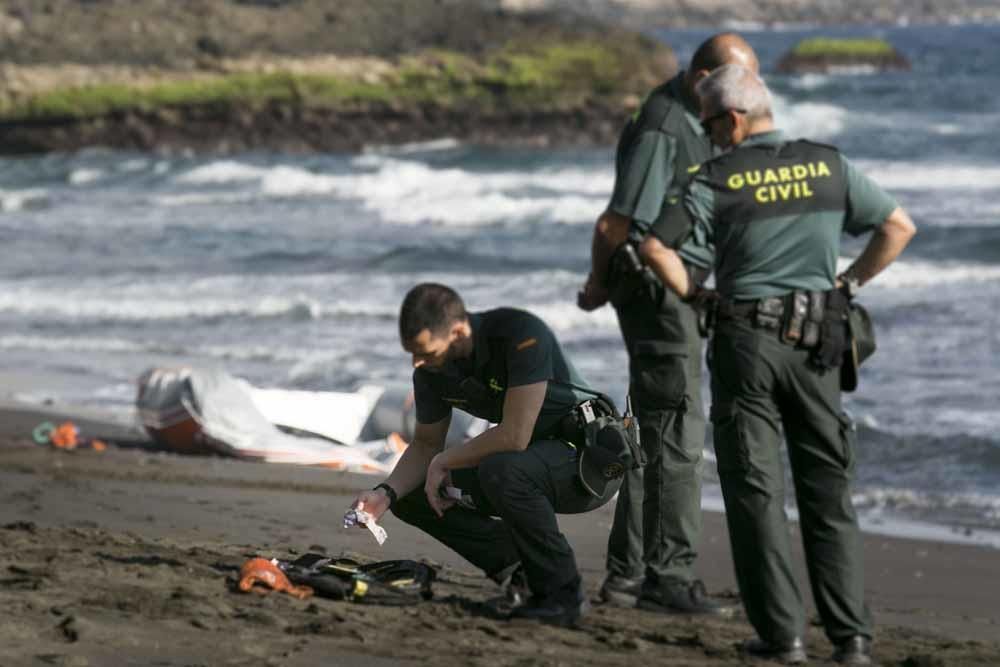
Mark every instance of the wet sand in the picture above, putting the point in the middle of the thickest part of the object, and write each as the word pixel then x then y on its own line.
pixel 122 557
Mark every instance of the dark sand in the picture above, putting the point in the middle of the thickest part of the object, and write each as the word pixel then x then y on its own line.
pixel 122 558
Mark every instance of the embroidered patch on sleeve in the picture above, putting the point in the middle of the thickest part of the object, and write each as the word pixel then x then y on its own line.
pixel 525 344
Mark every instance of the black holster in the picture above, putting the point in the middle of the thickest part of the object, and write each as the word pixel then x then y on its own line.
pixel 833 334
pixel 860 345
pixel 572 426
pixel 706 309
pixel 629 278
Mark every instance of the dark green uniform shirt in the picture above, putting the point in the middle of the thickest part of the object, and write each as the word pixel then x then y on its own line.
pixel 656 152
pixel 510 348
pixel 774 211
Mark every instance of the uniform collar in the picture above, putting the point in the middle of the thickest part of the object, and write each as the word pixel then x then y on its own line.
pixel 466 367
pixel 691 112
pixel 773 138
pixel 480 350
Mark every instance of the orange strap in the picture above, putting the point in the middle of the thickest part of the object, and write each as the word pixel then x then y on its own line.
pixel 263 571
pixel 66 436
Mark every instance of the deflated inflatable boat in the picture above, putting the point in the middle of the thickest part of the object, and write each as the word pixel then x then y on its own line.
pixel 207 411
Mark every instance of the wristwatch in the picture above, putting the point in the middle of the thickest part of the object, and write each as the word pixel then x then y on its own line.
pixel 389 491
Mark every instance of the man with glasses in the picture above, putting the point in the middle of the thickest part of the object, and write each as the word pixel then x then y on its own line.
pixel 708 123
pixel 774 209
pixel 654 539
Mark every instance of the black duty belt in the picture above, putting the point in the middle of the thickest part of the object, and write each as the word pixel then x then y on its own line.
pixel 796 317
pixel 732 309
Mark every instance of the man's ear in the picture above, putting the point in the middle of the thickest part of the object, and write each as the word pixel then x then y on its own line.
pixel 741 126
pixel 459 330
pixel 697 76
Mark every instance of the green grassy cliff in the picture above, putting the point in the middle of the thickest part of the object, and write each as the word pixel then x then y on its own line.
pixel 238 68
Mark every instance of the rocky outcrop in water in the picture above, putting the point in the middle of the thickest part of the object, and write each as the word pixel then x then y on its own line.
pixel 828 55
pixel 734 13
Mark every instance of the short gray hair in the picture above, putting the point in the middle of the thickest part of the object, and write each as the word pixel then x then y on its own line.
pixel 735 87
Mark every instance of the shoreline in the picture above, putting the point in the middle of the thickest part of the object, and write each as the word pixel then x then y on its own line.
pixel 153 538
pixel 226 131
pixel 18 417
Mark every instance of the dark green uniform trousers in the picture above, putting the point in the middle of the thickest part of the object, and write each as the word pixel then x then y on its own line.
pixel 657 521
pixel 525 490
pixel 761 386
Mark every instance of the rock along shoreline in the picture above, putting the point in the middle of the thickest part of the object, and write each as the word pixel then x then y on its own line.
pixel 227 129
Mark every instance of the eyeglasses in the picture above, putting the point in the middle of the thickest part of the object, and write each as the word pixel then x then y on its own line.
pixel 707 123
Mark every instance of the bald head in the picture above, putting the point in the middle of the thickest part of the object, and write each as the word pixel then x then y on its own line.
pixel 726 48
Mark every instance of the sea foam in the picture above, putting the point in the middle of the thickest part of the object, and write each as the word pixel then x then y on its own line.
pixel 932 176
pixel 809 119
pixel 907 273
pixel 20 200
pixel 412 192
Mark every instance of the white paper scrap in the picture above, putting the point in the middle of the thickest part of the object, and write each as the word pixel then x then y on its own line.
pixel 353 517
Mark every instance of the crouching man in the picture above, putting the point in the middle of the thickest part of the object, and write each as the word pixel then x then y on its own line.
pixel 504 366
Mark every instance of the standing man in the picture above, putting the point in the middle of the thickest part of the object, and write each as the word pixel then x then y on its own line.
pixel 657 525
pixel 504 366
pixel 775 209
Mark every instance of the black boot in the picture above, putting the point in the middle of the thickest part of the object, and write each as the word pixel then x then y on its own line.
pixel 792 652
pixel 564 608
pixel 682 597
pixel 515 592
pixel 854 651
pixel 620 591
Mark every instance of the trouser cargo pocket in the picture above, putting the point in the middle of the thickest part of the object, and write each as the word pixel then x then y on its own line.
pixel 657 371
pixel 848 440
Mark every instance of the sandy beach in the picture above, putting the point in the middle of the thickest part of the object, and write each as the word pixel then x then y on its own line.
pixel 125 557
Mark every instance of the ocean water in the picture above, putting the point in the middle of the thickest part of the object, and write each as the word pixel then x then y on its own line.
pixel 288 270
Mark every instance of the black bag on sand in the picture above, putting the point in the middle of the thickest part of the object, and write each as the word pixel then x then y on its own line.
pixel 389 582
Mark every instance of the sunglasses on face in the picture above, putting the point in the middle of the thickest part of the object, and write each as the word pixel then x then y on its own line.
pixel 707 123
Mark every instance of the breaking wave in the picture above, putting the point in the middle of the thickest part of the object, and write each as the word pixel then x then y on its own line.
pixel 809 119
pixel 905 273
pixel 932 176
pixel 103 344
pixel 21 200
pixel 59 305
pixel 412 192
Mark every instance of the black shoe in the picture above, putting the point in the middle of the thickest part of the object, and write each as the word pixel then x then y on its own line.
pixel 790 653
pixel 620 591
pixel 682 597
pixel 854 651
pixel 563 608
pixel 515 594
